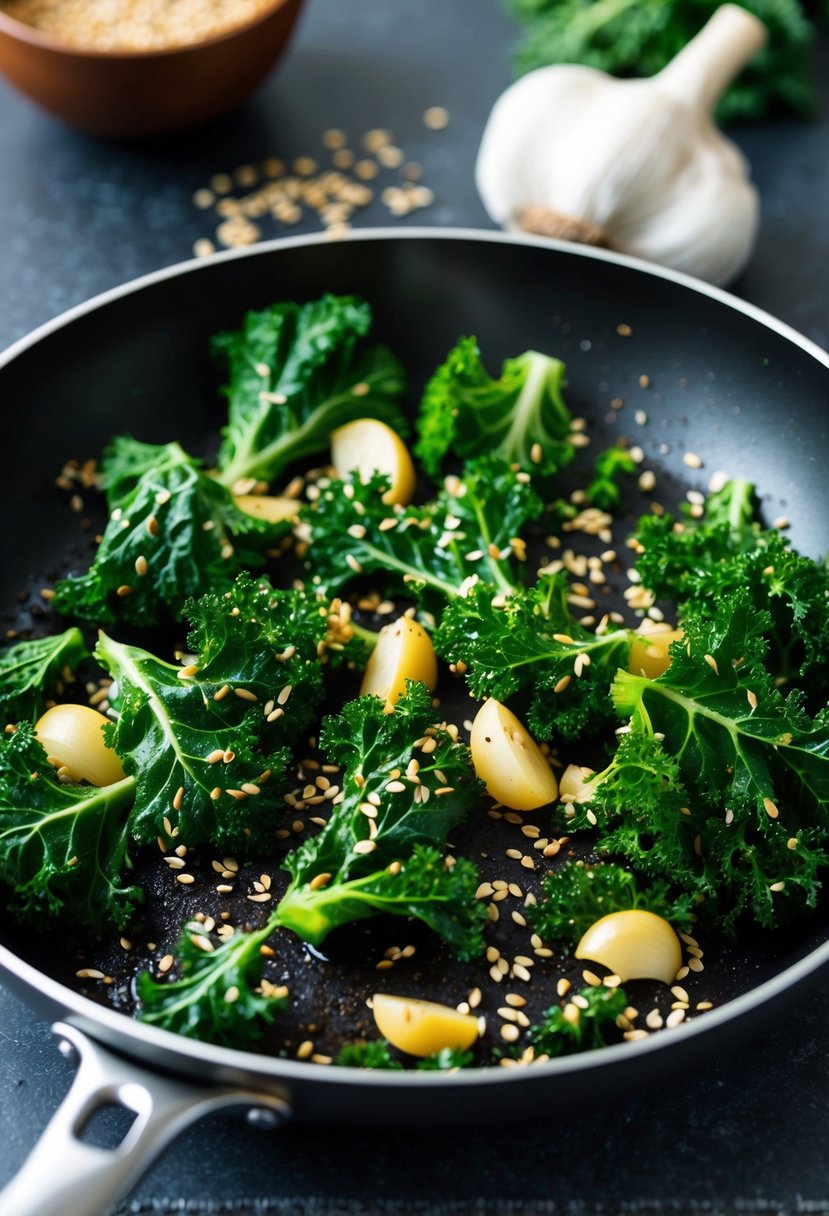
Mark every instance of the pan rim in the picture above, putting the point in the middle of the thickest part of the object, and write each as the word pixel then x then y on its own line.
pixel 94 1017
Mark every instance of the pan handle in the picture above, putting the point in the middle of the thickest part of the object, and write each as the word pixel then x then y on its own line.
pixel 64 1176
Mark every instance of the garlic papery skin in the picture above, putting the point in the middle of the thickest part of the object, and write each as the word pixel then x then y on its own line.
pixel 637 166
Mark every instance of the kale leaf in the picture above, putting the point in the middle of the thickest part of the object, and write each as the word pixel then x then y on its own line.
pixel 581 1024
pixel 63 847
pixel 405 783
pixel 372 1053
pixel 173 532
pixel 473 529
pixel 521 417
pixel 219 994
pixel 32 672
pixel 721 784
pixel 576 895
pixel 205 740
pixel 528 646
pixel 296 373
pixel 603 491
pixel 639 37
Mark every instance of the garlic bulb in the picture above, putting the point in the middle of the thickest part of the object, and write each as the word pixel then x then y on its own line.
pixel 634 165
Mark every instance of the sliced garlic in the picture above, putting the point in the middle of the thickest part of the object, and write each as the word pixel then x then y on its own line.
pixel 633 944
pixel 271 508
pixel 420 1028
pixel 369 446
pixel 509 761
pixel 404 651
pixel 636 165
pixel 649 655
pixel 73 739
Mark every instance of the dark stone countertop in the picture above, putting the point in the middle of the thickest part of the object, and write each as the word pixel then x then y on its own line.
pixel 743 1133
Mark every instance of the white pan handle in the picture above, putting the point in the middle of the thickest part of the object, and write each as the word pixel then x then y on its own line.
pixel 63 1176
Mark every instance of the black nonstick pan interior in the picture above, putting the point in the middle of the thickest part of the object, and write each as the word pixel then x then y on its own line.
pixel 706 386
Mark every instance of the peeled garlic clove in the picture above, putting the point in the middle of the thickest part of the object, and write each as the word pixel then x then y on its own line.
pixel 509 761
pixel 274 509
pixel 420 1028
pixel 574 784
pixel 649 655
pixel 404 651
pixel 635 165
pixel 73 739
pixel 369 446
pixel 633 944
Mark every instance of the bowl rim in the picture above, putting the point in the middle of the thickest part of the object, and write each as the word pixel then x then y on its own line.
pixel 20 31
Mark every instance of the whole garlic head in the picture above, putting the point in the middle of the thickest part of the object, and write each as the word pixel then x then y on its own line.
pixel 636 165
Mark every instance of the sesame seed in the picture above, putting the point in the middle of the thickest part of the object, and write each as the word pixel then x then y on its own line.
pixel 771 808
pixel 510 1033
pixel 186 879
pixel 436 118
pixel 691 460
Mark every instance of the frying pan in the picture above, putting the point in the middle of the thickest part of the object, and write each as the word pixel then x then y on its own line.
pixel 724 381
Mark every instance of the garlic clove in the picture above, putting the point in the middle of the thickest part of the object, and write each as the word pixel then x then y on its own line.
pixel 421 1028
pixel 403 651
pixel 508 760
pixel 635 165
pixel 634 944
pixel 649 649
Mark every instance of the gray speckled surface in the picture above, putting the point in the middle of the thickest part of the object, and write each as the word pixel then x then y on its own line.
pixel 79 216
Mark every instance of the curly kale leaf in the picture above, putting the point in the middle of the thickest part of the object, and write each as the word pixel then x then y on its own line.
pixel 603 491
pixel 405 783
pixel 63 847
pixel 216 993
pixel 578 1025
pixel 173 532
pixel 296 373
pixel 521 417
pixel 526 648
pixel 373 1053
pixel 721 785
pixel 576 895
pixel 32 672
pixel 473 529
pixel 639 37
pixel 267 642
pixel 445 1060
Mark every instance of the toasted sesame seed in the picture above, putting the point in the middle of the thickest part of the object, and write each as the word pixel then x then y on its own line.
pixel 89 973
pixel 186 879
pixel 771 808
pixel 364 846
pixel 675 1017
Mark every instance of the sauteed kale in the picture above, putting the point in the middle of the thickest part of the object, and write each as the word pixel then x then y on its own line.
pixel 698 757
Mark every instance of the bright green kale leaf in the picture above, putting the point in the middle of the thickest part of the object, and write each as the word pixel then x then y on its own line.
pixel 526 648
pixel 266 642
pixel 445 1060
pixel 473 529
pixel 199 747
pixel 378 853
pixel 32 672
pixel 639 37
pixel 173 532
pixel 216 993
pixel 576 895
pixel 63 847
pixel 405 783
pixel 581 1025
pixel 372 1053
pixel 603 491
pixel 721 786
pixel 521 417
pixel 296 373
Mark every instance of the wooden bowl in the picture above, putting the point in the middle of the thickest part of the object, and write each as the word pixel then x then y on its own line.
pixel 131 94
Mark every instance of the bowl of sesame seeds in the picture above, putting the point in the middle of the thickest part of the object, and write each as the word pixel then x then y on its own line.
pixel 136 68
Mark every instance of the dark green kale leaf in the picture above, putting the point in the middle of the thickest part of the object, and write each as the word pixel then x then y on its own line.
pixel 576 895
pixel 206 740
pixel 173 532
pixel 32 672
pixel 526 647
pixel 579 1025
pixel 521 417
pixel 296 373
pixel 63 847
pixel 473 529
pixel 405 783
pixel 217 992
pixel 639 37
pixel 721 785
